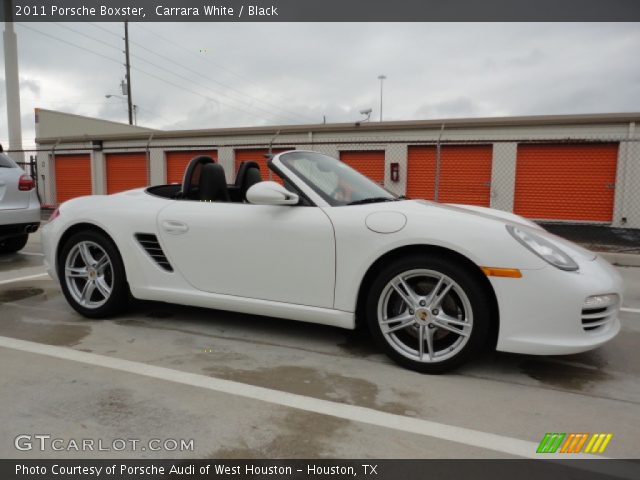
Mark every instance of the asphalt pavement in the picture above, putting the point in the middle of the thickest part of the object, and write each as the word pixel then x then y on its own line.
pixel 238 386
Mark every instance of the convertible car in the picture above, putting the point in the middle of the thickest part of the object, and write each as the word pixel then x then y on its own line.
pixel 434 283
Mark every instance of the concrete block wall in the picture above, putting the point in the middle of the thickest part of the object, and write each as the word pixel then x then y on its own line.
pixel 396 154
pixel 627 196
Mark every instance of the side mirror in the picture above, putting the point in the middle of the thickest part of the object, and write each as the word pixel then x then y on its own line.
pixel 271 193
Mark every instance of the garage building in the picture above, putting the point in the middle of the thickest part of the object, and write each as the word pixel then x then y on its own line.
pixel 565 168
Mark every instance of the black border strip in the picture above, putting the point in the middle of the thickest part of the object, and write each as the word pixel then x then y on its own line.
pixel 326 11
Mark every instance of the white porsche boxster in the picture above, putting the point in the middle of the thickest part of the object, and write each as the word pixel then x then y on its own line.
pixel 434 283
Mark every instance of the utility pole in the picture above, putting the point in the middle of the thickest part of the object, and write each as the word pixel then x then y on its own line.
pixel 12 83
pixel 382 78
pixel 126 46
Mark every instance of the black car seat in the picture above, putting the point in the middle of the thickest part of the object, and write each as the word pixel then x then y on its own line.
pixel 213 184
pixel 247 176
pixel 191 178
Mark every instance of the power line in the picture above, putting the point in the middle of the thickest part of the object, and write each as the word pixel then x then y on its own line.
pixel 88 36
pixel 69 43
pixel 71 103
pixel 177 45
pixel 216 82
pixel 239 92
pixel 269 113
pixel 181 87
pixel 105 29
pixel 182 77
pixel 208 60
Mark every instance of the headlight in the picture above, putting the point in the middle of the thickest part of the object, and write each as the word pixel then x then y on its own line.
pixel 543 248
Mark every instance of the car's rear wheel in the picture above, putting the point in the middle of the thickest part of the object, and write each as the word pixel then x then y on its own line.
pixel 92 275
pixel 13 244
pixel 430 314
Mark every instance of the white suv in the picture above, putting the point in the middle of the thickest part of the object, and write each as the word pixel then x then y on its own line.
pixel 19 206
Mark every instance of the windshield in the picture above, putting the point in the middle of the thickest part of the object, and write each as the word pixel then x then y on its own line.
pixel 335 181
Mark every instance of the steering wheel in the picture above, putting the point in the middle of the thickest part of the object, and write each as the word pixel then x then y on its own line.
pixel 191 177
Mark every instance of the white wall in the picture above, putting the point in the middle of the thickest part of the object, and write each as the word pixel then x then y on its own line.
pixel 627 196
pixel 503 175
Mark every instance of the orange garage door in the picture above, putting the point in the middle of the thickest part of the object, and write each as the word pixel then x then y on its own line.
pixel 73 176
pixel 126 171
pixel 258 155
pixel 177 162
pixel 566 182
pixel 465 173
pixel 367 162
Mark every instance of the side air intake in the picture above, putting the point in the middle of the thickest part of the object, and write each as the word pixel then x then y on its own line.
pixel 150 243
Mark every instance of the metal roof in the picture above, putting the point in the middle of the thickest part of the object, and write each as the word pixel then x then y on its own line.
pixel 450 123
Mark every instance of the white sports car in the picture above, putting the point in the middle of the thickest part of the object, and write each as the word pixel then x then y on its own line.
pixel 434 283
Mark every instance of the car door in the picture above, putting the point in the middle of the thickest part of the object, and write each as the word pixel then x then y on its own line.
pixel 278 253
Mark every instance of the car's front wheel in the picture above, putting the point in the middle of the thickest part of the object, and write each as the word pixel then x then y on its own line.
pixel 92 275
pixel 429 313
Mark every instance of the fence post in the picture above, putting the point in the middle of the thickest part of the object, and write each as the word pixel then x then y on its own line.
pixel 148 155
pixel 436 187
pixel 33 171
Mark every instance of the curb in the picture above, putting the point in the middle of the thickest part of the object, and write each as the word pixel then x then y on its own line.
pixel 621 259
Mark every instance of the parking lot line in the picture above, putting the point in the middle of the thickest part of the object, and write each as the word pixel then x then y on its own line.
pixel 466 436
pixel 630 310
pixel 27 277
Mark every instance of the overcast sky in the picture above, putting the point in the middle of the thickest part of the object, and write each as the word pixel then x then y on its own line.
pixel 203 75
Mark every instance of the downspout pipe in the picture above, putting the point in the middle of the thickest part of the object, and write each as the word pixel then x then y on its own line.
pixel 436 188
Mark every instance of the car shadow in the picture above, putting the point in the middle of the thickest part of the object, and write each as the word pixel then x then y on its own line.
pixel 576 373
pixel 256 328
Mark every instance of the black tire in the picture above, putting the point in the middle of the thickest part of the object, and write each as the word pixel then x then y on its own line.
pixel 118 300
pixel 467 280
pixel 13 244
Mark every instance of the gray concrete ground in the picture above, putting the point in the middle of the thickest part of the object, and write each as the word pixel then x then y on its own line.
pixel 513 397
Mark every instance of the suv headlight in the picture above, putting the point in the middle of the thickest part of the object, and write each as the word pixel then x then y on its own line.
pixel 543 248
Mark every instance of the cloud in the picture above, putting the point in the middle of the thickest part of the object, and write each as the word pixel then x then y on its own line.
pixel 30 85
pixel 455 107
pixel 201 75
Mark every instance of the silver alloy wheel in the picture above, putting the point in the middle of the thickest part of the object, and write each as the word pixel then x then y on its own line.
pixel 88 274
pixel 425 315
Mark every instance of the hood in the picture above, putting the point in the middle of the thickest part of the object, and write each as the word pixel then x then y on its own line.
pixel 446 210
pixel 575 251
pixel 491 213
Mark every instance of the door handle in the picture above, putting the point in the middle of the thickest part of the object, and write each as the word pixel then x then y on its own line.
pixel 174 227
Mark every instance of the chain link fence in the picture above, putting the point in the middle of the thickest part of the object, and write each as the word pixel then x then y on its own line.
pixel 586 189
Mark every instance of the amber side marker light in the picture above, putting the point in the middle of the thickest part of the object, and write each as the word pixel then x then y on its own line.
pixel 502 272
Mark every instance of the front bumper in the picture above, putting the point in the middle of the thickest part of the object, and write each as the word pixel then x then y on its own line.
pixel 49 237
pixel 541 313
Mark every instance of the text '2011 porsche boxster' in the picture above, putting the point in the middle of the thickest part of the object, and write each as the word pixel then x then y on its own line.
pixel 435 284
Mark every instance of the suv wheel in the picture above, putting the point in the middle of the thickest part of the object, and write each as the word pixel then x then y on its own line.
pixel 13 244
